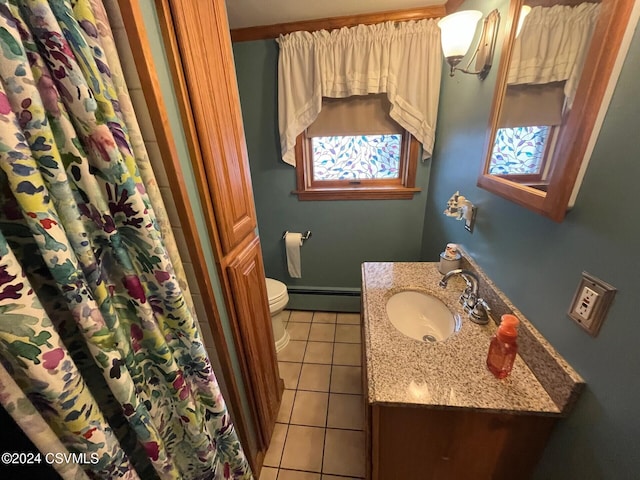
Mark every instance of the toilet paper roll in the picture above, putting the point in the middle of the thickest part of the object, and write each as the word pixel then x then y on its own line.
pixel 293 242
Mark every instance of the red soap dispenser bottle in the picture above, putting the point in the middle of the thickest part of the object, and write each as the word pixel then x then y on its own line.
pixel 503 347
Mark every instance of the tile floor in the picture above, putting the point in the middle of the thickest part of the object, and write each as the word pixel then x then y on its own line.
pixel 319 434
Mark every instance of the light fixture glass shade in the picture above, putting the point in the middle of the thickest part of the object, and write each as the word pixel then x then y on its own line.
pixel 457 31
pixel 524 11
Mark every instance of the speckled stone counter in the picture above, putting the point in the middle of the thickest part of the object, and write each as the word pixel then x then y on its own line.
pixel 453 373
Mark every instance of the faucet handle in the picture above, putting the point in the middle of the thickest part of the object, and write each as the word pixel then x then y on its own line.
pixel 480 312
pixel 470 302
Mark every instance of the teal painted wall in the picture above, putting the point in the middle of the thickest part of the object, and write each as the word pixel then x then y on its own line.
pixel 537 263
pixel 166 85
pixel 345 233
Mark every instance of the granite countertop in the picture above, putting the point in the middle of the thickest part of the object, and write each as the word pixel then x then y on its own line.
pixel 449 374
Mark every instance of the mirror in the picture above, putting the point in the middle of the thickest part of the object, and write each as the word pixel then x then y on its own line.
pixel 556 65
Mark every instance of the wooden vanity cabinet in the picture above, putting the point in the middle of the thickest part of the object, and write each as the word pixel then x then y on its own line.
pixel 429 443
pixel 434 412
pixel 457 444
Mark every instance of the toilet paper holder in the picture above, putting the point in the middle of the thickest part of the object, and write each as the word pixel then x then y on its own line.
pixel 305 236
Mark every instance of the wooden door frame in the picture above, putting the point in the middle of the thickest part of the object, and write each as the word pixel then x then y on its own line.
pixel 173 26
pixel 138 40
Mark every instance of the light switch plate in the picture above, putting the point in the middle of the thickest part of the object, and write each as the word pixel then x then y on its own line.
pixel 471 221
pixel 591 303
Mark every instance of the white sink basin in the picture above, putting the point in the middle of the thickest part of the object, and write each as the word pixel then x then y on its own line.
pixel 421 316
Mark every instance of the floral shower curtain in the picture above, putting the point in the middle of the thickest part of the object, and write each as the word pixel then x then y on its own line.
pixel 99 353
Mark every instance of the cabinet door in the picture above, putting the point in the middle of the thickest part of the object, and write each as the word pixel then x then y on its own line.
pixel 253 324
pixel 205 47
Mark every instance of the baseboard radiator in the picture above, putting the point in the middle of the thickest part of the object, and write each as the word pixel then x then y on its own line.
pixel 324 299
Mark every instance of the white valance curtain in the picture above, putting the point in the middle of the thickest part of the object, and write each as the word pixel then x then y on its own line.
pixel 402 60
pixel 552 46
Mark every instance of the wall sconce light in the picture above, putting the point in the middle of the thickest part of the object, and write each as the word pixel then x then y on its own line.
pixel 460 208
pixel 457 32
pixel 524 11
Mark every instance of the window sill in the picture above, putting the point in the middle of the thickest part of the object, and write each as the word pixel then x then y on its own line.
pixel 356 194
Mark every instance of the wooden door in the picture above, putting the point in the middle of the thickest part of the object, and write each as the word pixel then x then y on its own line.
pixel 202 34
pixel 199 51
pixel 246 275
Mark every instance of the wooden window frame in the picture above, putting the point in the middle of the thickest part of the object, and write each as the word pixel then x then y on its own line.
pixel 402 188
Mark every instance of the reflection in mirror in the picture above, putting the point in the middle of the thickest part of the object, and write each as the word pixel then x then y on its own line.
pixel 559 63
pixel 544 71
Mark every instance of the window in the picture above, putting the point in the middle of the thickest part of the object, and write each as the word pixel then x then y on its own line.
pixel 356 157
pixel 354 150
pixel 520 151
pixel 527 130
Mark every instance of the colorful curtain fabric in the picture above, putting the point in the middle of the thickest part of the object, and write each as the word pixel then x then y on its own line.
pixel 94 327
pixel 112 58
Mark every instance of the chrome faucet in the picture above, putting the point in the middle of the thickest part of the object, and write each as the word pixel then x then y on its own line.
pixel 470 293
pixel 476 307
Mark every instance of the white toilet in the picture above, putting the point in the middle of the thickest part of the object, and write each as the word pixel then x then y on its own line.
pixel 278 299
